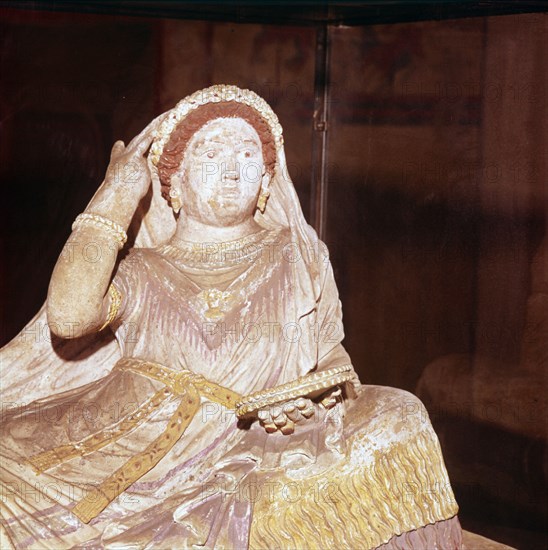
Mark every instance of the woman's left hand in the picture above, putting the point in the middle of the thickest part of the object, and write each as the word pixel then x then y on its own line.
pixel 285 416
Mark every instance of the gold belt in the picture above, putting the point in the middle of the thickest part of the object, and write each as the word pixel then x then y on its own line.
pixel 184 384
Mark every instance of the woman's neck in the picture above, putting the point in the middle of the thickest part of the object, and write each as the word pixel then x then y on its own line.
pixel 191 230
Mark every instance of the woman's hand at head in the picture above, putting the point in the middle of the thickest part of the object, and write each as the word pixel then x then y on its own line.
pixel 128 170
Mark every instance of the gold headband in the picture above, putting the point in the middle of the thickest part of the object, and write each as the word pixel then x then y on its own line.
pixel 213 94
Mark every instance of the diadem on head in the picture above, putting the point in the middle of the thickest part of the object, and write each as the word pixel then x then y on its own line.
pixel 217 101
pixel 214 94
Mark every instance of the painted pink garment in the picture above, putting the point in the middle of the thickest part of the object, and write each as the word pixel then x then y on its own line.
pixel 188 498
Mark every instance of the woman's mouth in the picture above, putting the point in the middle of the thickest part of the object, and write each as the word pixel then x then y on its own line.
pixel 229 193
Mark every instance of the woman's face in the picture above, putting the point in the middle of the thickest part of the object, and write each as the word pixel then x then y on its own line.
pixel 221 173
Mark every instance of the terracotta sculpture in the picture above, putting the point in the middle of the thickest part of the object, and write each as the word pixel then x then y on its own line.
pixel 225 413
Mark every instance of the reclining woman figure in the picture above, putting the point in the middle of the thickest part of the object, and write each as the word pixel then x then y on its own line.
pixel 226 412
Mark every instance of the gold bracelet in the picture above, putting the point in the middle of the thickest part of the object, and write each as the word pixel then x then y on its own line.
pixel 95 220
pixel 114 305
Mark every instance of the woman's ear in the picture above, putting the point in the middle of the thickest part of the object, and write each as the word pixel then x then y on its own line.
pixel 175 192
pixel 177 180
pixel 265 193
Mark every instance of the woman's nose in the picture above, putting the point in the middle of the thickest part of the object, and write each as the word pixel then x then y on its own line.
pixel 231 169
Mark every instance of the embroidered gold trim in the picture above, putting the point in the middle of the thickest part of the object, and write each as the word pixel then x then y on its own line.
pixel 186 385
pixel 113 307
pixel 357 504
pixel 48 459
pixel 136 467
pixel 178 380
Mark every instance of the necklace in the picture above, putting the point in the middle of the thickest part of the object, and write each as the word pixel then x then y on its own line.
pixel 247 249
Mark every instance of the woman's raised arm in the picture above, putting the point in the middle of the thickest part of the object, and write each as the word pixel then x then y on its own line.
pixel 78 297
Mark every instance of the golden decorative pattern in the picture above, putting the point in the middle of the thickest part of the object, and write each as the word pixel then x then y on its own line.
pixel 113 307
pixel 217 302
pixel 48 459
pixel 309 385
pixel 356 503
pixel 95 220
pixel 185 384
pixel 136 467
pixel 228 253
pixel 178 380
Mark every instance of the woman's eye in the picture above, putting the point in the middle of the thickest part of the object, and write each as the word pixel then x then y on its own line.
pixel 247 153
pixel 210 154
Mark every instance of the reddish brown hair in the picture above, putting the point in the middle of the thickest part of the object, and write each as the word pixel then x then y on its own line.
pixel 174 149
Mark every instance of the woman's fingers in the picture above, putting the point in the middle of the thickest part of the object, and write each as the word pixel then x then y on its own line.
pixel 283 418
pixel 328 402
pixel 308 411
pixel 278 416
pixel 280 420
pixel 305 406
pixel 292 412
pixel 141 142
pixel 331 397
pixel 270 427
pixel 301 403
pixel 289 407
pixel 117 149
pixel 288 428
